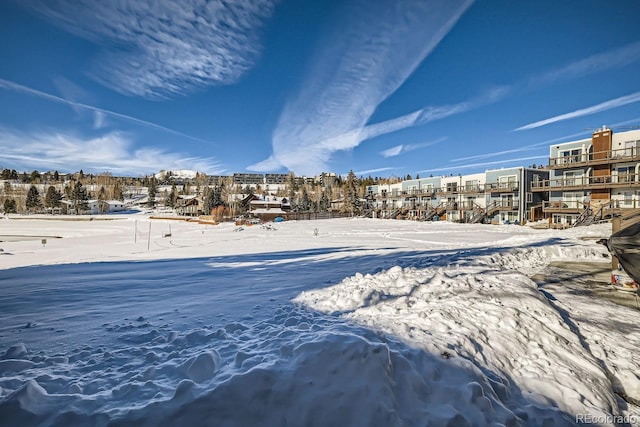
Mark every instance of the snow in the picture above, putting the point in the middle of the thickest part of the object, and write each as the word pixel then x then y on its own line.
pixel 177 173
pixel 367 323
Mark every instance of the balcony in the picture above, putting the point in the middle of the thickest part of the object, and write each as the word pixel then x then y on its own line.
pixel 597 158
pixel 416 192
pixel 501 187
pixel 587 183
pixel 502 206
pixel 563 206
pixel 472 189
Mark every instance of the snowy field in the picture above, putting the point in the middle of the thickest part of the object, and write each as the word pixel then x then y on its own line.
pixel 367 323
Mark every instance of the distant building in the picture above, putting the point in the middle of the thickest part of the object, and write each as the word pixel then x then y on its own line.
pixel 250 179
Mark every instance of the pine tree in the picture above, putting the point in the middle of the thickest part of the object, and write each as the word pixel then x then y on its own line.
pixel 351 195
pixel 33 198
pixel 173 197
pixel 207 201
pixel 217 197
pixel 153 190
pixel 53 197
pixel 305 201
pixel 79 198
pixel 10 206
pixel 325 200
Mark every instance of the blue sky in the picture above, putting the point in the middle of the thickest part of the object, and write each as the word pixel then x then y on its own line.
pixel 378 87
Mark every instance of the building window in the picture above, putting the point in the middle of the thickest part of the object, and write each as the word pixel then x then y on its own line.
pixel 625 174
pixel 529 197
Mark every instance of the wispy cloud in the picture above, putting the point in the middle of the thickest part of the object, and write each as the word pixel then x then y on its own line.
pixel 360 66
pixel 603 106
pixel 370 171
pixel 529 147
pixel 405 148
pixel 111 152
pixel 393 151
pixel 598 63
pixel 9 85
pixel 485 164
pixel 74 93
pixel 159 48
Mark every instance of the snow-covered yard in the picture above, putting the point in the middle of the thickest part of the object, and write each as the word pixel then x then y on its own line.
pixel 369 323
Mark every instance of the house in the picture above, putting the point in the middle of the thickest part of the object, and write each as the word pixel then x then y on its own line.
pixel 189 205
pixel 94 207
pixel 267 207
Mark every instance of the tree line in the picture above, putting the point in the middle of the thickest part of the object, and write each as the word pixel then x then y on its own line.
pixel 68 193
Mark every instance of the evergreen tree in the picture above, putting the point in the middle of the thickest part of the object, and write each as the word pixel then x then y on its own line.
pixel 173 197
pixel 153 190
pixel 56 176
pixel 33 198
pixel 325 200
pixel 79 198
pixel 207 201
pixel 305 201
pixel 217 197
pixel 351 195
pixel 53 197
pixel 10 206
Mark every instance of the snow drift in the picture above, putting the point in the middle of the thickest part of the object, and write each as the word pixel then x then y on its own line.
pixel 372 323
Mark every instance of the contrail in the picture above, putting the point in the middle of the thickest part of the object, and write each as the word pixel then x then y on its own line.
pixel 6 84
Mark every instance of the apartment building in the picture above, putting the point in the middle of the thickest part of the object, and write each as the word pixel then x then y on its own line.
pixel 590 178
pixel 495 196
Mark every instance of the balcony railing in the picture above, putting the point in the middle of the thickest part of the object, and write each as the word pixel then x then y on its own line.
pixel 587 182
pixel 493 187
pixel 563 206
pixel 498 187
pixel 597 158
pixel 502 205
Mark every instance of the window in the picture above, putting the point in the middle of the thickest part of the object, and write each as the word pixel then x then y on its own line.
pixel 529 197
pixel 506 200
pixel 471 185
pixel 631 148
pixel 508 182
pixel 571 178
pixel 572 199
pixel 625 174
pixel 570 156
pixel 452 186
